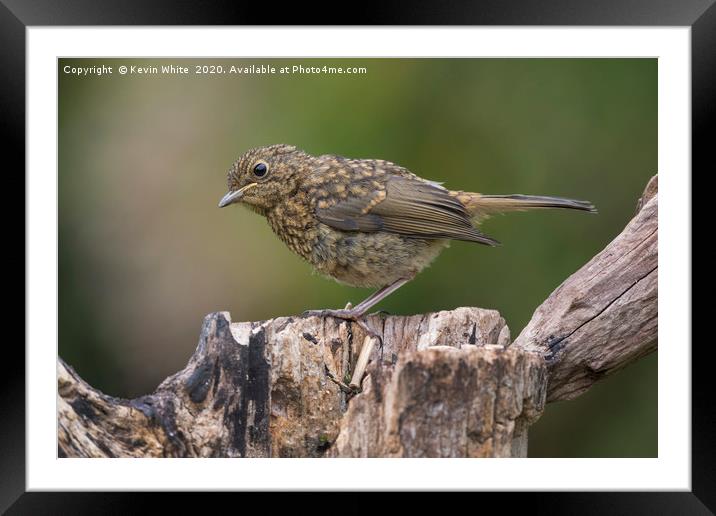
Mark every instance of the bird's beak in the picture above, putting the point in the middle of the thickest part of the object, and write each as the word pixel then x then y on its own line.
pixel 235 196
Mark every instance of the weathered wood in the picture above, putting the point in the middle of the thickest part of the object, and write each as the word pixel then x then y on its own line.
pixel 362 362
pixel 604 316
pixel 258 389
pixel 446 384
pixel 446 402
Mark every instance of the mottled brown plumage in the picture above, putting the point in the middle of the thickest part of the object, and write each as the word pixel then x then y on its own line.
pixel 363 222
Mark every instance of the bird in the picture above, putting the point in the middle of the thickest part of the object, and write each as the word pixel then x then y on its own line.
pixel 364 222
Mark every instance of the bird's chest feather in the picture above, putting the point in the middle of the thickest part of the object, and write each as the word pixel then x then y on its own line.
pixel 294 223
pixel 294 219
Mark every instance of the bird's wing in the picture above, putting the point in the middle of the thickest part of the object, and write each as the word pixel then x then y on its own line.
pixel 407 206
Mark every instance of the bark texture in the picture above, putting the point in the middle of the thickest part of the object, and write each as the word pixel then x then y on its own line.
pixel 446 402
pixel 445 384
pixel 271 389
pixel 604 316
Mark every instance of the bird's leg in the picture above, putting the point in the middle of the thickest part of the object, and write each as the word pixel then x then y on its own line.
pixel 361 308
pixel 356 313
pixel 375 298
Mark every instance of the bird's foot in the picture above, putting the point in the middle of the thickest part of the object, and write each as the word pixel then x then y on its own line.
pixel 346 315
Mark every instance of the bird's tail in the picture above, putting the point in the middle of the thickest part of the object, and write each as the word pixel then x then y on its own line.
pixel 480 206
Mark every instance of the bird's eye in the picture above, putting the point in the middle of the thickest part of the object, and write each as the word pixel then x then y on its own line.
pixel 260 169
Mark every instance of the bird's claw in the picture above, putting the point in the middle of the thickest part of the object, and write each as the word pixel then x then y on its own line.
pixel 347 315
pixel 339 314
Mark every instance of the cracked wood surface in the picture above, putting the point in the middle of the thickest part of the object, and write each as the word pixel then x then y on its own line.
pixel 265 390
pixel 604 316
pixel 446 402
pixel 446 384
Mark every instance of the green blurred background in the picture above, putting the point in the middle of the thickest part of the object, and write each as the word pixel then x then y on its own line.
pixel 144 252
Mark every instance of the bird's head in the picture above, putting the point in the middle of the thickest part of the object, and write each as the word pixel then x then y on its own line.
pixel 264 176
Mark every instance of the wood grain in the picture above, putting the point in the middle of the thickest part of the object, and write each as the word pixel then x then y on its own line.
pixel 604 316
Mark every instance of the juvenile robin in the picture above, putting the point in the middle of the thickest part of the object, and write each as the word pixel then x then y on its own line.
pixel 364 222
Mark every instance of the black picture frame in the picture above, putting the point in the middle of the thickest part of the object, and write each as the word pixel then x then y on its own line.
pixel 17 15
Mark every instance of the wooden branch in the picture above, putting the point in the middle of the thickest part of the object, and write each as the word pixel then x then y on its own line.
pixel 604 316
pixel 446 384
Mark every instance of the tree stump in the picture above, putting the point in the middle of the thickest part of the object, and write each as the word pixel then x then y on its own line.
pixel 269 390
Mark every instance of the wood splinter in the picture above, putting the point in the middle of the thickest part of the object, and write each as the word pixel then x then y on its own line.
pixel 362 363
